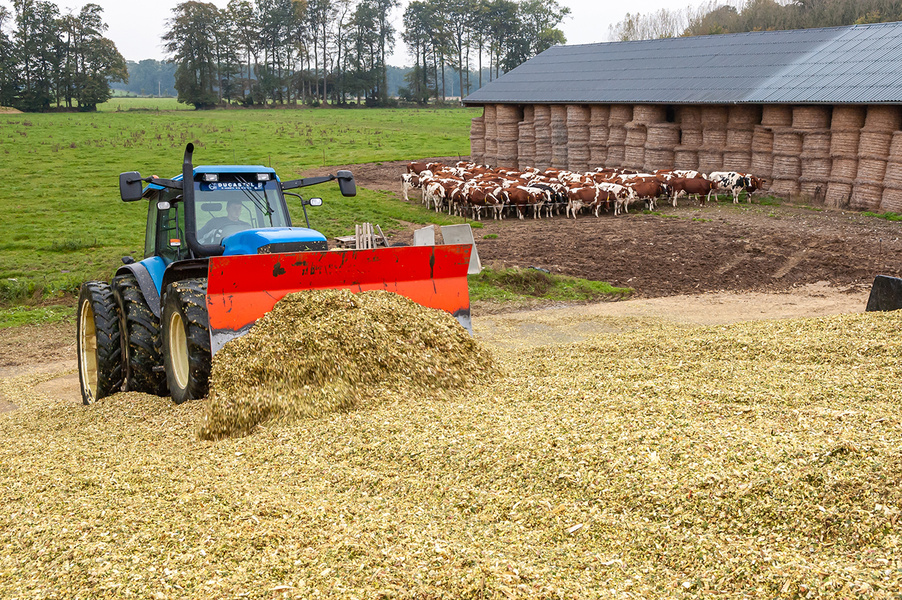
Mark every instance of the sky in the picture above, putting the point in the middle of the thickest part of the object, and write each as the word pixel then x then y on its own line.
pixel 136 27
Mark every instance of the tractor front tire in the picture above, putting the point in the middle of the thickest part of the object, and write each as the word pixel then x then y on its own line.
pixel 98 343
pixel 186 339
pixel 140 339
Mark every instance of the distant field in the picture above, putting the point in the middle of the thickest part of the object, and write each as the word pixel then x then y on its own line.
pixel 120 103
pixel 63 221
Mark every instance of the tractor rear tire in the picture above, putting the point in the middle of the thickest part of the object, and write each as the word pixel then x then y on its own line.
pixel 98 343
pixel 141 339
pixel 186 339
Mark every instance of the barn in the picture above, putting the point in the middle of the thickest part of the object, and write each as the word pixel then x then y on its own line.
pixel 817 113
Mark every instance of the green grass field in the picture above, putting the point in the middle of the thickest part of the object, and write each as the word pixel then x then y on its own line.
pixel 63 221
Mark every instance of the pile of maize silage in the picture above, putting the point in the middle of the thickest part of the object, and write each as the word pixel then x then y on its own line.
pixel 320 351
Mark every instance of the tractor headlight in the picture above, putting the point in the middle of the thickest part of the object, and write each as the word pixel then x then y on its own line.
pixel 211 177
pixel 263 176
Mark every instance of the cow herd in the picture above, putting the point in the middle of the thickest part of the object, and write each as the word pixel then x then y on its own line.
pixel 468 189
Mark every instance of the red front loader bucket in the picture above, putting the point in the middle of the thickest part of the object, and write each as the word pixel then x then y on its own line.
pixel 241 289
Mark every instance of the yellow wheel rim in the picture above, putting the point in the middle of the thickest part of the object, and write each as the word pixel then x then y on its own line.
pixel 178 350
pixel 87 360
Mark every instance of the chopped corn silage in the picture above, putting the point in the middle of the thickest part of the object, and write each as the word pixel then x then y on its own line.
pixel 760 460
pixel 321 351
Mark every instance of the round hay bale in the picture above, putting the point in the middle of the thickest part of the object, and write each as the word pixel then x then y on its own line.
pixel 542 113
pixel 691 138
pixel 737 160
pixel 559 113
pixel 893 177
pixel 598 155
pixel 507 113
pixel 324 351
pixel 895 148
pixel 714 138
pixel 883 118
pixel 844 142
pixel 816 169
pixel 577 136
pixel 811 117
pixel 763 139
pixel 740 138
pixel 617 135
pixel 543 161
pixel 814 190
pixel 578 162
pixel 776 115
pixel 620 114
pixel 634 157
pixel 816 143
pixel 874 144
pixel 787 142
pixel 649 113
pixel 710 160
pixel 578 113
pixel 685 158
pixel 477 139
pixel 598 135
pixel 848 117
pixel 763 164
pixel 787 167
pixel 508 132
pixel 527 130
pixel 844 168
pixel 599 114
pixel 658 159
pixel 715 117
pixel 529 112
pixel 786 188
pixel 866 196
pixel 871 171
pixel 839 194
pixel 491 134
pixel 615 156
pixel 689 117
pixel 891 200
pixel 662 136
pixel 635 135
pixel 744 114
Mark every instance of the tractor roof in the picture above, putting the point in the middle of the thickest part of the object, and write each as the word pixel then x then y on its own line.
pixel 237 169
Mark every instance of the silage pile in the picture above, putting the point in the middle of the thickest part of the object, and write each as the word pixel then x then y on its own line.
pixel 322 351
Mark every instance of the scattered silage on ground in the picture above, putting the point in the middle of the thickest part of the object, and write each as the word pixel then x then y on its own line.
pixel 321 351
pixel 757 460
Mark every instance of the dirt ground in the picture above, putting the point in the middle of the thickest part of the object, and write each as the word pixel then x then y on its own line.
pixel 693 265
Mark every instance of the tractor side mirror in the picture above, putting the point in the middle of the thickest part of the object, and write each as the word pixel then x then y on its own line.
pixel 130 186
pixel 346 183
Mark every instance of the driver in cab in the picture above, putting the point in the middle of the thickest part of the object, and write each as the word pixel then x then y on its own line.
pixel 219 227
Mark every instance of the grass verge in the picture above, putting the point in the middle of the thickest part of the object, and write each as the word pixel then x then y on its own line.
pixel 41 315
pixel 515 284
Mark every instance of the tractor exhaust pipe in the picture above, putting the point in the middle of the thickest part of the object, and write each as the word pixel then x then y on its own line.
pixel 199 250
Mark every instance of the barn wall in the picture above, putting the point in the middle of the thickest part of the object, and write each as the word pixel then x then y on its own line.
pixel 839 156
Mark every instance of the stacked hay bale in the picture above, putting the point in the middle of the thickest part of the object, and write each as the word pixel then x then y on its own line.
pixel 508 117
pixel 813 122
pixel 637 134
pixel 741 121
pixel 660 142
pixel 598 135
pixel 543 136
pixel 714 138
pixel 577 138
pixel 491 134
pixel 787 150
pixel 477 139
pixel 763 154
pixel 620 115
pixel 526 145
pixel 880 124
pixel 559 136
pixel 685 155
pixel 892 183
pixel 845 131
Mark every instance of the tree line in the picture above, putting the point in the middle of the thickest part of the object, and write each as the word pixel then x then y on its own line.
pixel 715 17
pixel 51 58
pixel 319 51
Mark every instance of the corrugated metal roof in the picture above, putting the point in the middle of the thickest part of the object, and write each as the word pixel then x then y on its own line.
pixel 859 64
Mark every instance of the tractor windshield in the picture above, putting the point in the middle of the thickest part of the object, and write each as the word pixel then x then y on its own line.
pixel 235 203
